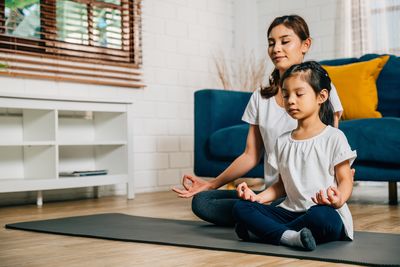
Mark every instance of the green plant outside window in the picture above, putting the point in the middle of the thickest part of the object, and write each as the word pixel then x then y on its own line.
pixel 22 18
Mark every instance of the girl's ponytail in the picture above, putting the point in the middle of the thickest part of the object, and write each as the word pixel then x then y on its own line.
pixel 326 113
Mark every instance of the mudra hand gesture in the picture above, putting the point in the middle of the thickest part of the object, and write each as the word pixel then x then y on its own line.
pixel 244 192
pixel 192 185
pixel 333 197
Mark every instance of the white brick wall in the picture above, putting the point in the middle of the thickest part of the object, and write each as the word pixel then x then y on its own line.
pixel 180 38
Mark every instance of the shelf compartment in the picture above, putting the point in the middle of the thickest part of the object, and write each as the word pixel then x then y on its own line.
pixel 18 126
pixel 91 126
pixel 27 162
pixel 39 125
pixel 93 157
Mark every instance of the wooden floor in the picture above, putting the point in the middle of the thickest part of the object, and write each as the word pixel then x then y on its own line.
pixel 21 248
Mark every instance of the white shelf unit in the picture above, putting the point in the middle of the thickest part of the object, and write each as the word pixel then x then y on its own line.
pixel 40 137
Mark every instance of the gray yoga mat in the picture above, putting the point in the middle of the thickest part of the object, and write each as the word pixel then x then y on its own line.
pixel 374 249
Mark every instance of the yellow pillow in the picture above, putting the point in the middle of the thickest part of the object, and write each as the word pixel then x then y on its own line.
pixel 356 87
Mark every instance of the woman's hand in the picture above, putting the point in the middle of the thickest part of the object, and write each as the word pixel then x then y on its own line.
pixel 333 197
pixel 192 185
pixel 245 193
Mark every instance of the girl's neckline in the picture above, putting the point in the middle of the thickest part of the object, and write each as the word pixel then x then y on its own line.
pixel 310 138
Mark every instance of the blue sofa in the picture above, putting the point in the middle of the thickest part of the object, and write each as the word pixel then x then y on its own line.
pixel 220 134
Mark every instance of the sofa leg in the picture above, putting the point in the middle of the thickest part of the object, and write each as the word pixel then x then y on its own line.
pixel 393 193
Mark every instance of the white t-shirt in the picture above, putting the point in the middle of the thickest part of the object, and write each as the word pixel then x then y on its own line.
pixel 307 166
pixel 273 120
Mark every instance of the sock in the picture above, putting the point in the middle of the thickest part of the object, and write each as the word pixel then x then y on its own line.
pixel 242 232
pixel 303 239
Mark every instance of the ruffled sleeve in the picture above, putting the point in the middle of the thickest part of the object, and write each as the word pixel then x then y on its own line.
pixel 342 151
pixel 250 114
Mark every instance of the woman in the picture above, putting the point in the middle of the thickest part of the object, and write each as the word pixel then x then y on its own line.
pixel 288 42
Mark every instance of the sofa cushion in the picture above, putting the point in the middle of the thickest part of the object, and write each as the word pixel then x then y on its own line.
pixel 388 84
pixel 376 140
pixel 356 86
pixel 228 143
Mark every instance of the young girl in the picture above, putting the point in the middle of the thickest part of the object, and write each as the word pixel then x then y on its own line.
pixel 288 42
pixel 313 162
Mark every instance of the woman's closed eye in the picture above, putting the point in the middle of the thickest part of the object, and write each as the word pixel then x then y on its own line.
pixel 282 43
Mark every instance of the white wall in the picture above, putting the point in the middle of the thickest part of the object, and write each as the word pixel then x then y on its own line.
pixel 180 38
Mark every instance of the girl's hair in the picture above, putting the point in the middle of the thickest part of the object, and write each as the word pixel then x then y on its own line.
pixel 318 79
pixel 300 28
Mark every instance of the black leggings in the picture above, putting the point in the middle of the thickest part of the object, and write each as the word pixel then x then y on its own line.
pixel 215 206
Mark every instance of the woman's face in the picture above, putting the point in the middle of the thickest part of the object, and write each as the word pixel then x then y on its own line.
pixel 285 48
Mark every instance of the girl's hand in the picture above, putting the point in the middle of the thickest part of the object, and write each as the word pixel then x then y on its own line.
pixel 192 185
pixel 333 199
pixel 245 193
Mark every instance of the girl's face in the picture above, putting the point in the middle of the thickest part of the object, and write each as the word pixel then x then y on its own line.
pixel 285 48
pixel 300 99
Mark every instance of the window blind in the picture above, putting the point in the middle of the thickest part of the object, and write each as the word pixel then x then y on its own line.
pixel 86 41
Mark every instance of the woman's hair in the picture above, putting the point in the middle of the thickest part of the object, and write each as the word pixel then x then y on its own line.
pixel 300 28
pixel 318 79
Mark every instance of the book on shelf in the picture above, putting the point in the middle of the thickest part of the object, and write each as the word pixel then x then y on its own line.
pixel 83 173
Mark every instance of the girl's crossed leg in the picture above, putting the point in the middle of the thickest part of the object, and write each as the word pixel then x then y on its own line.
pixel 269 223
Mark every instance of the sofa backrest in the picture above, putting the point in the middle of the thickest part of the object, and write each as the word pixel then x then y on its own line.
pixel 213 110
pixel 224 107
pixel 388 82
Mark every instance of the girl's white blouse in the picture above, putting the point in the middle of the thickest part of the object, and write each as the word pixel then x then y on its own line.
pixel 273 120
pixel 307 166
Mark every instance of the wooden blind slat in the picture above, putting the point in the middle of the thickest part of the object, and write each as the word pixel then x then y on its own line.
pixel 69 79
pixel 72 73
pixel 61 64
pixel 94 61
pixel 68 49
